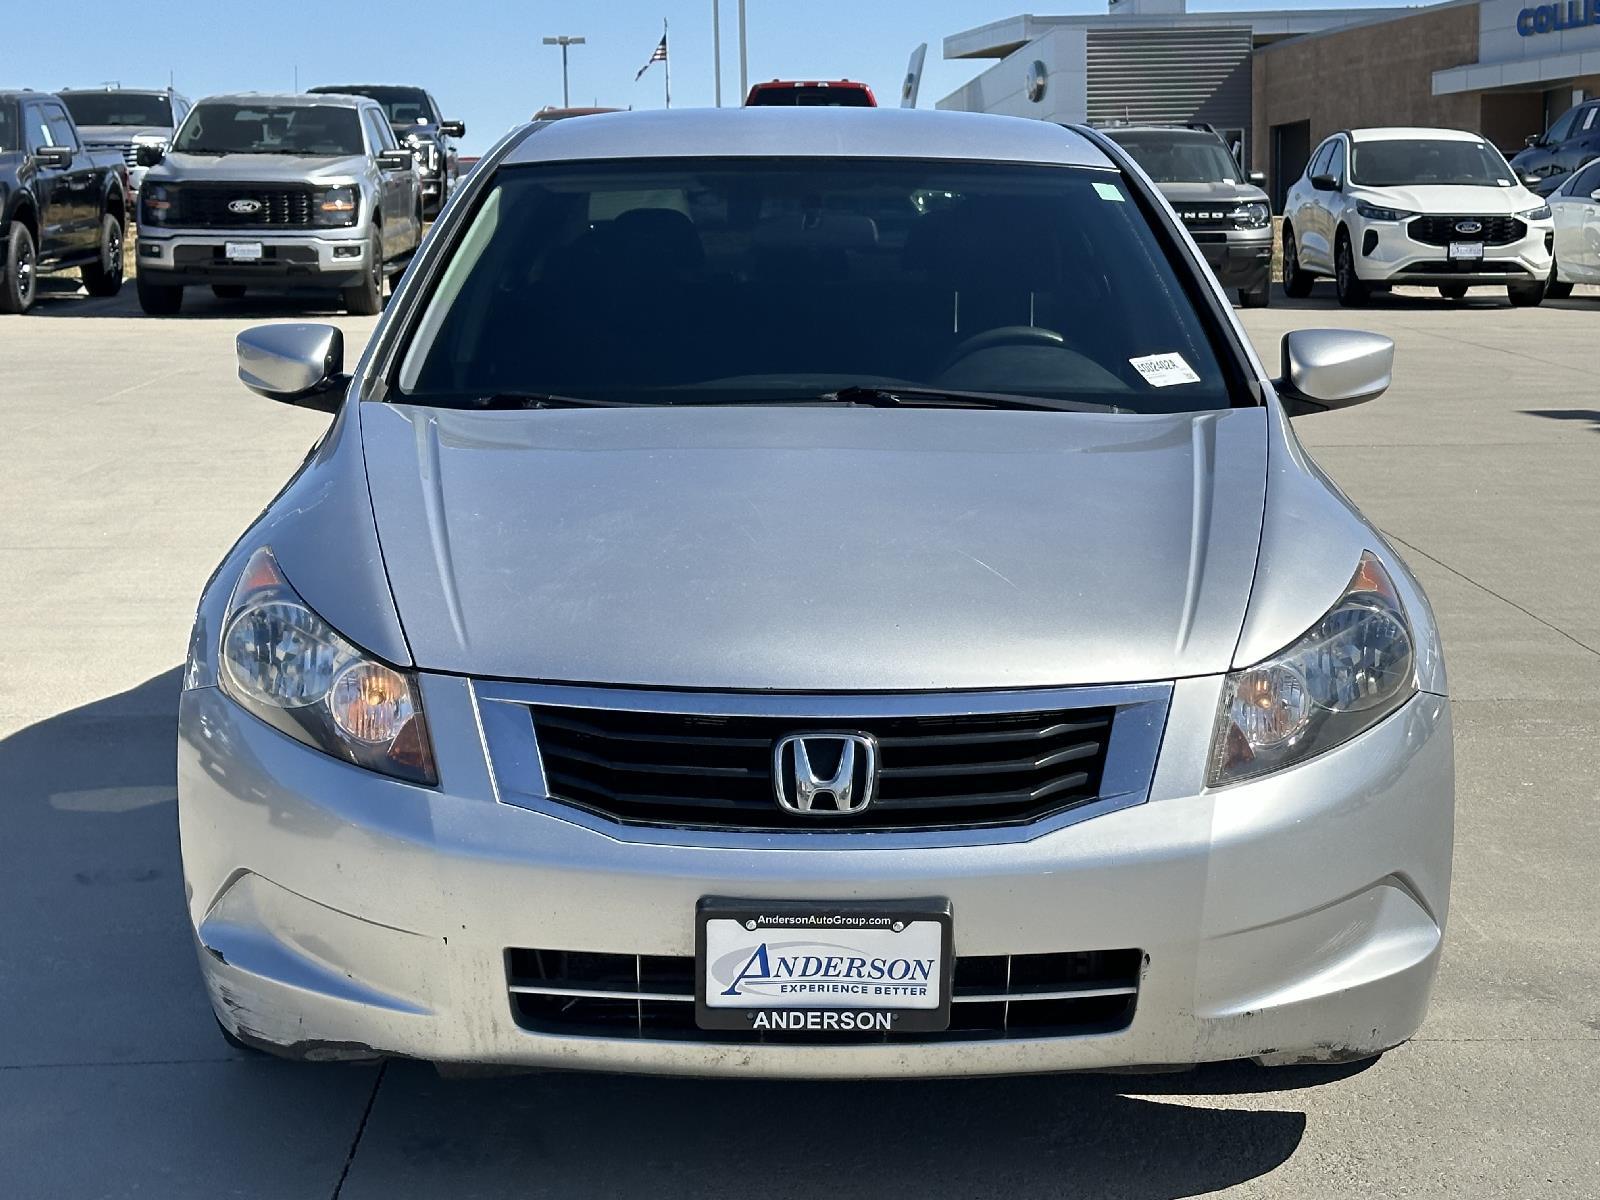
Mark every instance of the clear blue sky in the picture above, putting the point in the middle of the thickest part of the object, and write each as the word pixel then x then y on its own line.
pixel 483 59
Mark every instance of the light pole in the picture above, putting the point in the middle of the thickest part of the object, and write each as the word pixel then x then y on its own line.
pixel 716 47
pixel 564 41
pixel 744 66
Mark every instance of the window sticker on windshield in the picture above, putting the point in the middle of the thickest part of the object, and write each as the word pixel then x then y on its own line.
pixel 1164 370
pixel 1108 191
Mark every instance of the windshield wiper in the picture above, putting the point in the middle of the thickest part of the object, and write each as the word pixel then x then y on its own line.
pixel 530 400
pixel 893 396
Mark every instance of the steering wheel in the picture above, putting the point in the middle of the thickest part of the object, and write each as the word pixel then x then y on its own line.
pixel 1004 335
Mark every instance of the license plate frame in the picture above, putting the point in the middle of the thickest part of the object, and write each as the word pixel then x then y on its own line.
pixel 867 924
pixel 243 251
pixel 1466 251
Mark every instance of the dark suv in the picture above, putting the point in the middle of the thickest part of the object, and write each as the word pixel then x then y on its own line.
pixel 414 115
pixel 1568 144
pixel 1221 205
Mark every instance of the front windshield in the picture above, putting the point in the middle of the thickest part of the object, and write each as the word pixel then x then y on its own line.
pixel 119 108
pixel 703 281
pixel 311 129
pixel 402 105
pixel 1414 162
pixel 1179 157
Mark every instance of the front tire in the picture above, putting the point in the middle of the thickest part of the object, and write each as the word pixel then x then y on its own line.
pixel 1353 291
pixel 1453 291
pixel 366 298
pixel 1554 287
pixel 104 277
pixel 1296 283
pixel 158 299
pixel 1529 295
pixel 19 275
pixel 1259 296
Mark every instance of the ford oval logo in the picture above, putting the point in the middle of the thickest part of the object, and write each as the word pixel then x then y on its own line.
pixel 244 206
pixel 1469 226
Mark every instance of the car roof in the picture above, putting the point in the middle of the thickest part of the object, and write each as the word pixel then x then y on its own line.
pixel 758 132
pixel 114 91
pixel 1177 132
pixel 285 99
pixel 1412 133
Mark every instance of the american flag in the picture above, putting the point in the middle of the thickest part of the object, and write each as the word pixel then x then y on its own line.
pixel 660 55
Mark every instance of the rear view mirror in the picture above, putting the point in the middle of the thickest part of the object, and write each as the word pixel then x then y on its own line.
pixel 148 155
pixel 301 365
pixel 1259 178
pixel 1325 183
pixel 53 156
pixel 453 128
pixel 395 160
pixel 1333 368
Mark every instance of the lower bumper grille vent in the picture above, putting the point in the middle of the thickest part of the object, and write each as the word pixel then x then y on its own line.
pixel 995 996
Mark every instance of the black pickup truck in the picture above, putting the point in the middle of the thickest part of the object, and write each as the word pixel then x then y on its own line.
pixel 62 206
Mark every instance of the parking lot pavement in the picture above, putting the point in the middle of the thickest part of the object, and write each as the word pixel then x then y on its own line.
pixel 133 458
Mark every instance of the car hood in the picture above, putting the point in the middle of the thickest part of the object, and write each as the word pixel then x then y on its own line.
pixel 813 549
pixel 123 134
pixel 258 168
pixel 1477 199
pixel 1203 193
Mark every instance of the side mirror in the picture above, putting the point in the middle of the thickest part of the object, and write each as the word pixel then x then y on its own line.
pixel 1259 178
pixel 1530 180
pixel 1325 183
pixel 1595 195
pixel 1333 368
pixel 53 156
pixel 395 160
pixel 301 365
pixel 147 155
pixel 453 128
pixel 1533 139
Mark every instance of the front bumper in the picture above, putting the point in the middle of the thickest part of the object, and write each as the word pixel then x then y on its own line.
pixel 340 914
pixel 1241 259
pixel 1386 253
pixel 327 258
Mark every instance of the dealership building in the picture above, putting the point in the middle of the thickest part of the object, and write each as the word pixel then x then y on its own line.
pixel 1276 83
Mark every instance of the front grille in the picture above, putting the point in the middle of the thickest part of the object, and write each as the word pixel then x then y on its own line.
pixel 206 206
pixel 1441 231
pixel 125 149
pixel 935 772
pixel 581 994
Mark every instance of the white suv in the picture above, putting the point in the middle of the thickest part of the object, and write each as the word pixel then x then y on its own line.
pixel 1381 207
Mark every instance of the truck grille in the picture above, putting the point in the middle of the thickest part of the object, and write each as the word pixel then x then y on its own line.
pixel 1207 216
pixel 580 994
pixel 715 772
pixel 1441 231
pixel 206 205
pixel 125 149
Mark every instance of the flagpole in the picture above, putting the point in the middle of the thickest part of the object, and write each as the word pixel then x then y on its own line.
pixel 666 61
pixel 744 64
pixel 716 47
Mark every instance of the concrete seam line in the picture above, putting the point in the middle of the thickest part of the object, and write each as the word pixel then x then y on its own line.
pixel 361 1128
pixel 1506 600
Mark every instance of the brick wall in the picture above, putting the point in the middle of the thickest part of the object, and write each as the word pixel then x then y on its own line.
pixel 1379 74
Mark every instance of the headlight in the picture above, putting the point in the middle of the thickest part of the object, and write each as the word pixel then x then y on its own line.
pixel 1351 669
pixel 335 206
pixel 1374 212
pixel 1251 216
pixel 156 204
pixel 292 669
pixel 1542 213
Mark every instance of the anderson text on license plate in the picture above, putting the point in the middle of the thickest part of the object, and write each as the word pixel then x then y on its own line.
pixel 819 968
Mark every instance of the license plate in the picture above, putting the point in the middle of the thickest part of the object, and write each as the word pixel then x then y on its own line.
pixel 876 967
pixel 1466 249
pixel 242 251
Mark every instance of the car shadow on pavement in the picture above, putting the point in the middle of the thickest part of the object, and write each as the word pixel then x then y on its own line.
pixel 569 1135
pixel 65 297
pixel 1590 415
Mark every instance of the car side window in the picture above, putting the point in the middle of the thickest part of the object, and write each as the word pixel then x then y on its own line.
pixel 61 131
pixel 1336 161
pixel 1586 182
pixel 382 134
pixel 35 133
pixel 1319 160
pixel 1562 129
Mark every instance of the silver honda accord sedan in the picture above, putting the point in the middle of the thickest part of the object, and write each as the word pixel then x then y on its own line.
pixel 818 593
